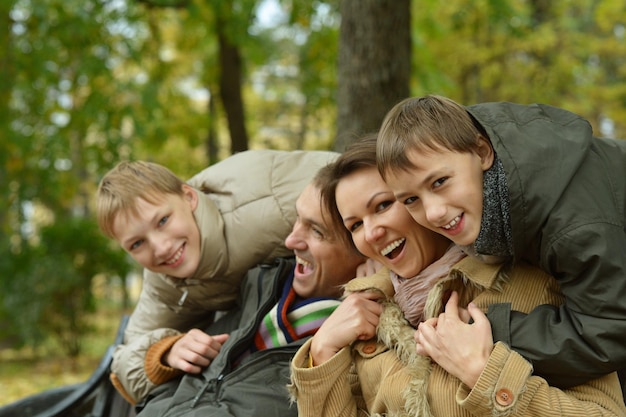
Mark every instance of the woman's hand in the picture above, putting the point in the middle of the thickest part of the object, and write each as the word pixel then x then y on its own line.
pixel 460 348
pixel 356 318
pixel 194 351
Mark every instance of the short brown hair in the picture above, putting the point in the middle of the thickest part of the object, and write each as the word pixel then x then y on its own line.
pixel 424 123
pixel 120 188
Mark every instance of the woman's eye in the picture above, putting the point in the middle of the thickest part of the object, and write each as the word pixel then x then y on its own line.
pixel 383 205
pixel 163 220
pixel 410 200
pixel 352 228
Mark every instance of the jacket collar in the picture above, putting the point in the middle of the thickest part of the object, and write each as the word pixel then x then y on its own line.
pixel 477 272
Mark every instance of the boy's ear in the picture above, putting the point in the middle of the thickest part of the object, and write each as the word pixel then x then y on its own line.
pixel 485 151
pixel 191 195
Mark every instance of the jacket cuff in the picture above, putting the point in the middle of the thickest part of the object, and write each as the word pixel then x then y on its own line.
pixel 156 371
pixel 120 388
pixel 499 316
pixel 499 386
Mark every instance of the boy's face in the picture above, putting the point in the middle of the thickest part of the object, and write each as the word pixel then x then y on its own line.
pixel 324 261
pixel 445 191
pixel 163 237
pixel 381 228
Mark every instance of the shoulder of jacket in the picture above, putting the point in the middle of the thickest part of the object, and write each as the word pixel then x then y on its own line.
pixel 503 112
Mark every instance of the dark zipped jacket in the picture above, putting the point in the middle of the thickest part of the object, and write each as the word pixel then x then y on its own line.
pixel 255 388
pixel 567 192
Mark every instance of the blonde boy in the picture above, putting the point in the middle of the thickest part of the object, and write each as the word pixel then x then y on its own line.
pixel 196 241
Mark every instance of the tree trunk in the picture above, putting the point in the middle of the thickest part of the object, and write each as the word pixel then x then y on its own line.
pixel 374 64
pixel 230 90
pixel 212 145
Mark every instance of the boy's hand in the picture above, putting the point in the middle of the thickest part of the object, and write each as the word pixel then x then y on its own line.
pixel 460 348
pixel 194 351
pixel 356 318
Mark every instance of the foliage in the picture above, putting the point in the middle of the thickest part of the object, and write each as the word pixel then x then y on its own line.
pixel 86 83
pixel 67 110
pixel 57 273
pixel 568 54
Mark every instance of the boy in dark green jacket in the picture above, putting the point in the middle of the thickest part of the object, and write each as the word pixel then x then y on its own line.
pixel 515 183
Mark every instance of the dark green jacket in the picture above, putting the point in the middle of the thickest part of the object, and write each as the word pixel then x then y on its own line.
pixel 257 387
pixel 567 193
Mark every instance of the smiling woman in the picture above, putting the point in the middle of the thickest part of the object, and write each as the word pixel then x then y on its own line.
pixel 381 228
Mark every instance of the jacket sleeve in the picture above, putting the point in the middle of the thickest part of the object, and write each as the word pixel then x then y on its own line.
pixel 324 390
pixel 584 338
pixel 129 361
pixel 507 387
pixel 152 321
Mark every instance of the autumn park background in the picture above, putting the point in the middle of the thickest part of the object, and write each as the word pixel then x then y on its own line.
pixel 185 83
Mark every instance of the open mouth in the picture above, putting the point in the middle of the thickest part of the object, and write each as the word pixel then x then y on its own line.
pixel 453 223
pixel 303 267
pixel 394 248
pixel 174 259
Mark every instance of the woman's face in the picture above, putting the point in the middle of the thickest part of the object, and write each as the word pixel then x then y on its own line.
pixel 381 228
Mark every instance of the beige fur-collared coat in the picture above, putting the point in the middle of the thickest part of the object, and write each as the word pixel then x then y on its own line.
pixel 387 377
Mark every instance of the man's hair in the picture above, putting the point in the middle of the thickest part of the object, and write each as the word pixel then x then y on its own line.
pixel 427 123
pixel 359 155
pixel 129 181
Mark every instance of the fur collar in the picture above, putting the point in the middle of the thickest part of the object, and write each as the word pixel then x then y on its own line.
pixel 469 277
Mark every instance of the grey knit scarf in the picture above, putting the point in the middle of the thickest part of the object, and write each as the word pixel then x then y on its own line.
pixel 494 243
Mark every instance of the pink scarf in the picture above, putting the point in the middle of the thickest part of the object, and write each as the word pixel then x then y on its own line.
pixel 411 293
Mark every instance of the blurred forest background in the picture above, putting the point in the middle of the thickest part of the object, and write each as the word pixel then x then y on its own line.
pixel 87 83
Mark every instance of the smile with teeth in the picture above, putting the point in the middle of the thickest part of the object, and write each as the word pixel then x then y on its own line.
pixel 303 267
pixel 302 261
pixel 453 223
pixel 176 257
pixel 387 249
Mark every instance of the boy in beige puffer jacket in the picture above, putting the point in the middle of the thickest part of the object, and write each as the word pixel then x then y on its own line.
pixel 196 241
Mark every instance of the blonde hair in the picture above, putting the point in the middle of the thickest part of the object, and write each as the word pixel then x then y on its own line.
pixel 424 123
pixel 129 181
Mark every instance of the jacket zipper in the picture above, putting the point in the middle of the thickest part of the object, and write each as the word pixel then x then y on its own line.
pixel 216 383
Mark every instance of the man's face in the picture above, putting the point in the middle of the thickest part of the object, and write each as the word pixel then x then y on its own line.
pixel 162 237
pixel 444 192
pixel 324 262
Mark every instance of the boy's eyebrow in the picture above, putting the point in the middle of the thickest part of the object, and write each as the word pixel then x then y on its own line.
pixel 129 241
pixel 429 178
pixel 400 195
pixel 133 237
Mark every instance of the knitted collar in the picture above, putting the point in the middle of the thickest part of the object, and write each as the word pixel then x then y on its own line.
pixel 494 243
pixel 292 318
